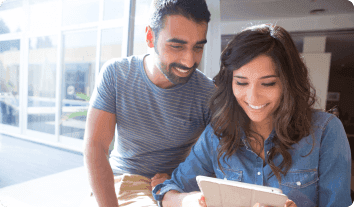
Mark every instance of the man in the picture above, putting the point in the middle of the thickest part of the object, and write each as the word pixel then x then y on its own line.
pixel 159 103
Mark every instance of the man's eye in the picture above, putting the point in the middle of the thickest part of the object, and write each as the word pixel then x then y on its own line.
pixel 241 84
pixel 269 84
pixel 176 46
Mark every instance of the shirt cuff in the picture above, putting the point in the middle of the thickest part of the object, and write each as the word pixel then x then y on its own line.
pixel 163 190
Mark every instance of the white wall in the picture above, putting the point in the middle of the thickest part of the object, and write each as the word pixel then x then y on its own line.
pixel 310 23
pixel 211 56
pixel 318 65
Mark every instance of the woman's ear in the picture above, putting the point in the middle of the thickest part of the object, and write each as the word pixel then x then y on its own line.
pixel 149 37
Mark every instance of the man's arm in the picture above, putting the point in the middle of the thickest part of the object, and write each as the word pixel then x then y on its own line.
pixel 99 132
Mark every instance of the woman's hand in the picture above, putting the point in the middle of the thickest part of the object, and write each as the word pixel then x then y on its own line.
pixel 175 198
pixel 194 199
pixel 288 203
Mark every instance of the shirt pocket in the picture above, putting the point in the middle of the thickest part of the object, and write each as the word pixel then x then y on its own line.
pixel 301 187
pixel 230 174
pixel 180 131
pixel 300 178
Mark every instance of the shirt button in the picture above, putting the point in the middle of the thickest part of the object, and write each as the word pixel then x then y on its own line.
pixel 298 183
pixel 268 152
pixel 259 173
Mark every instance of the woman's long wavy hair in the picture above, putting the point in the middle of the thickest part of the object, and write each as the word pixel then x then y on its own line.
pixel 291 120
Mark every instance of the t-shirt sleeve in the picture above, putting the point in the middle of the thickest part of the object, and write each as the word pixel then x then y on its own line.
pixel 104 94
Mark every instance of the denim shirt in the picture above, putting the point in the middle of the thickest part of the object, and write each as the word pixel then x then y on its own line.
pixel 322 178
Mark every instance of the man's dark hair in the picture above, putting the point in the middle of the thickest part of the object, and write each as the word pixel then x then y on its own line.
pixel 196 10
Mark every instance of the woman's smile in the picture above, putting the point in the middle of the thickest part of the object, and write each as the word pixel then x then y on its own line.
pixel 256 107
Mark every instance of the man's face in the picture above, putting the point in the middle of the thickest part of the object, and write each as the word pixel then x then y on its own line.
pixel 179 48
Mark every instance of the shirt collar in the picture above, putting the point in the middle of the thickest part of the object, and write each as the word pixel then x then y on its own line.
pixel 269 139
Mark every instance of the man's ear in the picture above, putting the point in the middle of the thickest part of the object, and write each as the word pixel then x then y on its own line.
pixel 149 37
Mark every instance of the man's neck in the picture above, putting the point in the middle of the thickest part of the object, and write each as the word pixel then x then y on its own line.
pixel 154 74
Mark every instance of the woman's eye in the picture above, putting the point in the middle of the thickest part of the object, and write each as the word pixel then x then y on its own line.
pixel 269 84
pixel 241 84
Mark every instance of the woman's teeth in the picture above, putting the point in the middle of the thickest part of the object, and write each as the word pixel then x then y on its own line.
pixel 257 107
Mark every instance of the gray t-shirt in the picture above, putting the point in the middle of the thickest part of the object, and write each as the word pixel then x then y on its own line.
pixel 156 127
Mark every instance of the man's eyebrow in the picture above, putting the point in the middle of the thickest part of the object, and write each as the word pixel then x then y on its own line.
pixel 175 40
pixel 264 77
pixel 202 42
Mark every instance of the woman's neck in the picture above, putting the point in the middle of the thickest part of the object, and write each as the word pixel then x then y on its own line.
pixel 262 128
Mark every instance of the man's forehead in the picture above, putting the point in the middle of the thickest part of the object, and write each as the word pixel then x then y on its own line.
pixel 182 30
pixel 176 18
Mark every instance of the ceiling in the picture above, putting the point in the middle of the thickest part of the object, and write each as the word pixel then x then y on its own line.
pixel 262 9
pixel 339 43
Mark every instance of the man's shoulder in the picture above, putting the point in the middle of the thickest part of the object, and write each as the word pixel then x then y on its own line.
pixel 124 62
pixel 123 66
pixel 201 80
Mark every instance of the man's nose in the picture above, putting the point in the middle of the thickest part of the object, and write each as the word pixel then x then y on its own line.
pixel 188 59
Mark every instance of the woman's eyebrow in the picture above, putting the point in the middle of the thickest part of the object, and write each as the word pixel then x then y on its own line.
pixel 269 76
pixel 264 77
pixel 237 76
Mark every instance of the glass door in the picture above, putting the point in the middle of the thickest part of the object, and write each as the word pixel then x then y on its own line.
pixel 42 64
pixel 78 81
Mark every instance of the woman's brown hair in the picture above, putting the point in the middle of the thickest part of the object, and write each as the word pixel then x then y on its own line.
pixel 292 119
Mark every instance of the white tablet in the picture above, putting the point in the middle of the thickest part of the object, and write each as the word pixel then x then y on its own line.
pixel 227 193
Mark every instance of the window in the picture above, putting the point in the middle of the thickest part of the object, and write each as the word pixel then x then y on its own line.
pixel 44 15
pixel 111 44
pixel 50 53
pixel 42 84
pixel 11 16
pixel 113 9
pixel 9 82
pixel 80 11
pixel 78 81
pixel 141 21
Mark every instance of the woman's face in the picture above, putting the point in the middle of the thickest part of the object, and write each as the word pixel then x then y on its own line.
pixel 258 89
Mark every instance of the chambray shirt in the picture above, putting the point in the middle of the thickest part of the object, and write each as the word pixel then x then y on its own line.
pixel 320 179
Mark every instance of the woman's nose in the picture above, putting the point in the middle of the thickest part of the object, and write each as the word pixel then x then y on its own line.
pixel 253 94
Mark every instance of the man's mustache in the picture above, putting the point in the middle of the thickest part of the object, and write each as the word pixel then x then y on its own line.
pixel 177 65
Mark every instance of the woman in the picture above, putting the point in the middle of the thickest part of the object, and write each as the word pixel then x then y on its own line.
pixel 264 129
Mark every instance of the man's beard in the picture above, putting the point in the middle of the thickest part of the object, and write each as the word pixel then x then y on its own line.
pixel 173 78
pixel 169 74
